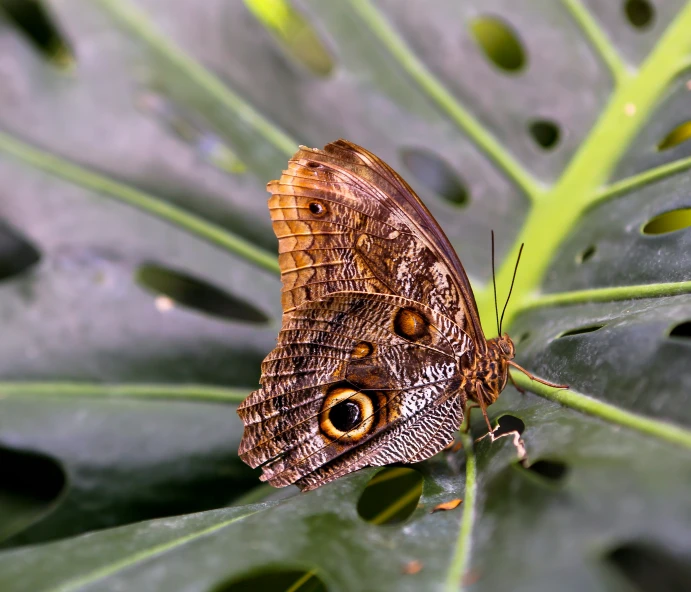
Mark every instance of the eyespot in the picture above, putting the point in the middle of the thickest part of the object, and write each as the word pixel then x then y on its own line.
pixel 347 415
pixel 314 165
pixel 410 324
pixel 362 350
pixel 317 208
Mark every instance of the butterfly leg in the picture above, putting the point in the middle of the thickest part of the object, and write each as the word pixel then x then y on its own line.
pixel 481 389
pixel 535 378
pixel 465 427
pixel 454 446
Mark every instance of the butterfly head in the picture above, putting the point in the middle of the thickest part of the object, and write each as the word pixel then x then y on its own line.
pixel 505 346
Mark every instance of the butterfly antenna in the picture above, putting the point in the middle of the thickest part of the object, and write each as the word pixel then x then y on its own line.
pixel 513 279
pixel 494 283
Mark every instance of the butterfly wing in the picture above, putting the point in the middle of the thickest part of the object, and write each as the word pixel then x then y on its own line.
pixel 354 349
pixel 377 314
pixel 346 221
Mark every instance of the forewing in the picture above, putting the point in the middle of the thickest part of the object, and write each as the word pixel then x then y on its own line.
pixel 347 222
pixel 355 341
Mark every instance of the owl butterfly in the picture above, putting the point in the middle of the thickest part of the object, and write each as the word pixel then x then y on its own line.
pixel 381 346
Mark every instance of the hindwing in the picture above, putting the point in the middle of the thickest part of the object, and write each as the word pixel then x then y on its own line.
pixel 354 347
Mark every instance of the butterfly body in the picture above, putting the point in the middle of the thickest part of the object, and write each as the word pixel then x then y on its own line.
pixel 490 374
pixel 381 345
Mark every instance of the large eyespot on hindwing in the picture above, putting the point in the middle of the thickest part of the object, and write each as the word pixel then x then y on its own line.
pixel 347 414
pixel 410 324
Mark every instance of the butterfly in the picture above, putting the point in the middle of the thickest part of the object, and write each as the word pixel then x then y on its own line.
pixel 381 349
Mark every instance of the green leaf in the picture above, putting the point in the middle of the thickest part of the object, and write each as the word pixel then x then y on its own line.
pixel 119 460
pixel 139 289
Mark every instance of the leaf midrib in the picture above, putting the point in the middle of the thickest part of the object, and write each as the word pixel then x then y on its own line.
pixel 143 555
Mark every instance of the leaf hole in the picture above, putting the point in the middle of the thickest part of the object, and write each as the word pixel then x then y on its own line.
pixel 580 331
pixel 294 33
pixel 522 337
pixel 507 424
pixel 175 287
pixel 649 567
pixel 669 222
pixel 546 133
pixel 435 175
pixel 17 254
pixel 640 13
pixel 681 331
pixel 188 127
pixel 551 470
pixel 586 254
pixel 278 580
pixel 38 26
pixel 391 496
pixel 678 135
pixel 499 43
pixel 30 484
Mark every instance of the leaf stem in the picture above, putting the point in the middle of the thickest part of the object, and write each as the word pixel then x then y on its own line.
pixel 306 577
pixel 143 201
pixel 643 178
pixel 137 22
pixel 417 70
pixel 143 391
pixel 607 295
pixel 619 70
pixel 461 556
pixel 558 210
pixel 574 400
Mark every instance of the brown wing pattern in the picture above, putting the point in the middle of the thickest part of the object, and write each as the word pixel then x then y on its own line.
pixel 347 222
pixel 391 359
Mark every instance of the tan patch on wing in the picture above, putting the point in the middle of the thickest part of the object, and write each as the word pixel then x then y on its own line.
pixel 346 221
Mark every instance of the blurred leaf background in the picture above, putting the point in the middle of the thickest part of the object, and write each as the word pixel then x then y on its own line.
pixel 139 289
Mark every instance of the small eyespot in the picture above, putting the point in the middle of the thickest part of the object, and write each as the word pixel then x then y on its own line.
pixel 409 324
pixel 317 208
pixel 361 350
pixel 314 165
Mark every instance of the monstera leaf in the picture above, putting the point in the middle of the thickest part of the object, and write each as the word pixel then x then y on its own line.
pixel 139 290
